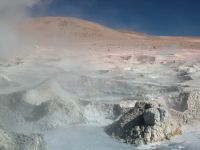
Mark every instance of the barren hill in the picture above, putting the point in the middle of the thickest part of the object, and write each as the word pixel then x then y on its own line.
pixel 65 31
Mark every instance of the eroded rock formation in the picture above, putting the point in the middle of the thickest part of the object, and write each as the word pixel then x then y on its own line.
pixel 147 122
pixel 189 101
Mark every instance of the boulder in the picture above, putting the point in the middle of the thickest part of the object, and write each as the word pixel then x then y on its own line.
pixel 147 122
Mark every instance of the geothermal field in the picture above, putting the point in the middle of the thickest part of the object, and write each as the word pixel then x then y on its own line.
pixel 82 86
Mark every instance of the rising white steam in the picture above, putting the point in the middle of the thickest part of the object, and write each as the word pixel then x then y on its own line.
pixel 11 13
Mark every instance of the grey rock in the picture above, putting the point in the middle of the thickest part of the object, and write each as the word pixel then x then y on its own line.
pixel 187 107
pixel 147 122
pixel 151 116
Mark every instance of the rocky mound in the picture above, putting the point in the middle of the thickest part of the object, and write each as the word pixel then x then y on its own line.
pixel 187 107
pixel 13 141
pixel 147 122
pixel 17 113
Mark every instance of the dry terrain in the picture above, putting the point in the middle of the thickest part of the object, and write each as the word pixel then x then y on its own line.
pixel 73 75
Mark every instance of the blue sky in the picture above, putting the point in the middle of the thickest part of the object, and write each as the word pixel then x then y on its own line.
pixel 159 17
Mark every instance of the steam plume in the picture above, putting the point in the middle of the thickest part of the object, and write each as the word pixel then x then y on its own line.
pixel 11 13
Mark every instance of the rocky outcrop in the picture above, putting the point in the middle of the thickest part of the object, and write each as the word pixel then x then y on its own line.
pixel 189 102
pixel 13 141
pixel 147 122
pixel 193 104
